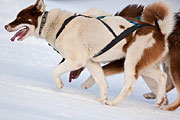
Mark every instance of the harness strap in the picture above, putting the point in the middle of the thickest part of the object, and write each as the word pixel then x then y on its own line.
pixel 120 37
pixel 176 33
pixel 64 25
pixel 74 16
pixel 108 27
pixel 62 61
pixel 115 40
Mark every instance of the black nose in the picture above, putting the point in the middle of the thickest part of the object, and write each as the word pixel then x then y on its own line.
pixel 6 27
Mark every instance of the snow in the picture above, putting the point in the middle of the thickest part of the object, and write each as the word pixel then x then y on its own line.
pixel 27 90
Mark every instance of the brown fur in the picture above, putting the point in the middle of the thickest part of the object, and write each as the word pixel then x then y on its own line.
pixel 152 10
pixel 117 66
pixel 149 56
pixel 28 13
pixel 174 50
pixel 129 40
pixel 132 11
pixel 121 26
pixel 142 31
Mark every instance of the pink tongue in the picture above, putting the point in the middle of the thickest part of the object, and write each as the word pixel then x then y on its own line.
pixel 18 34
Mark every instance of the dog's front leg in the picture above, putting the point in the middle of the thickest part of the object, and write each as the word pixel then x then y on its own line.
pixel 97 73
pixel 66 66
pixel 111 68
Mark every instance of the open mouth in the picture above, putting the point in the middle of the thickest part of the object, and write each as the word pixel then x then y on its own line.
pixel 20 34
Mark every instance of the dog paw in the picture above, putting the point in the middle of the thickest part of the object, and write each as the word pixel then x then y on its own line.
pixel 162 102
pixel 88 83
pixel 85 86
pixel 103 101
pixel 110 103
pixel 166 108
pixel 59 85
pixel 149 95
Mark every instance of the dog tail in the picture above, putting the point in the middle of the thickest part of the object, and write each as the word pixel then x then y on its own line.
pixel 161 15
pixel 132 10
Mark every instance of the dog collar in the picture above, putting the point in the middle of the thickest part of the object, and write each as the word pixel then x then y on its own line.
pixel 43 21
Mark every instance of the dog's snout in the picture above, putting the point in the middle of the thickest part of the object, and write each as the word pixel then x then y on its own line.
pixel 7 28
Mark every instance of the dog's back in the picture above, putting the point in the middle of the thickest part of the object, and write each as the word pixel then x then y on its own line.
pixel 132 11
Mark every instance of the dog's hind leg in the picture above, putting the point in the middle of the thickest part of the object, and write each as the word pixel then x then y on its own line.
pixel 160 77
pixel 130 79
pixel 136 62
pixel 169 84
pixel 66 66
pixel 111 68
pixel 97 73
pixel 152 84
pixel 175 71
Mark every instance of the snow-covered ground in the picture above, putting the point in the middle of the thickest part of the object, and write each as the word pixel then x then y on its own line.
pixel 27 91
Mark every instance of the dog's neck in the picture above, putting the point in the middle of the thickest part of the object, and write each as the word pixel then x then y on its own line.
pixel 54 21
pixel 43 22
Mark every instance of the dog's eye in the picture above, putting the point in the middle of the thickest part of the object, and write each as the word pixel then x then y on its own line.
pixel 29 20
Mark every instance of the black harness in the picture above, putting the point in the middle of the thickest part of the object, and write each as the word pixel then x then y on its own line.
pixel 64 25
pixel 115 40
pixel 176 33
pixel 123 35
pixel 74 16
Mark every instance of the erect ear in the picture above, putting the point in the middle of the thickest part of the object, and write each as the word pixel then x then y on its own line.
pixel 40 5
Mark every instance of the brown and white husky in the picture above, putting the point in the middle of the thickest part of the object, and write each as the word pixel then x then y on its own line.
pixel 83 37
pixel 171 65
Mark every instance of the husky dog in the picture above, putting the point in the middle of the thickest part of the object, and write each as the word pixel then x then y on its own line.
pixel 79 38
pixel 171 65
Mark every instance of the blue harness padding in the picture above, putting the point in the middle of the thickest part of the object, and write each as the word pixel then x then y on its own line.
pixel 100 17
